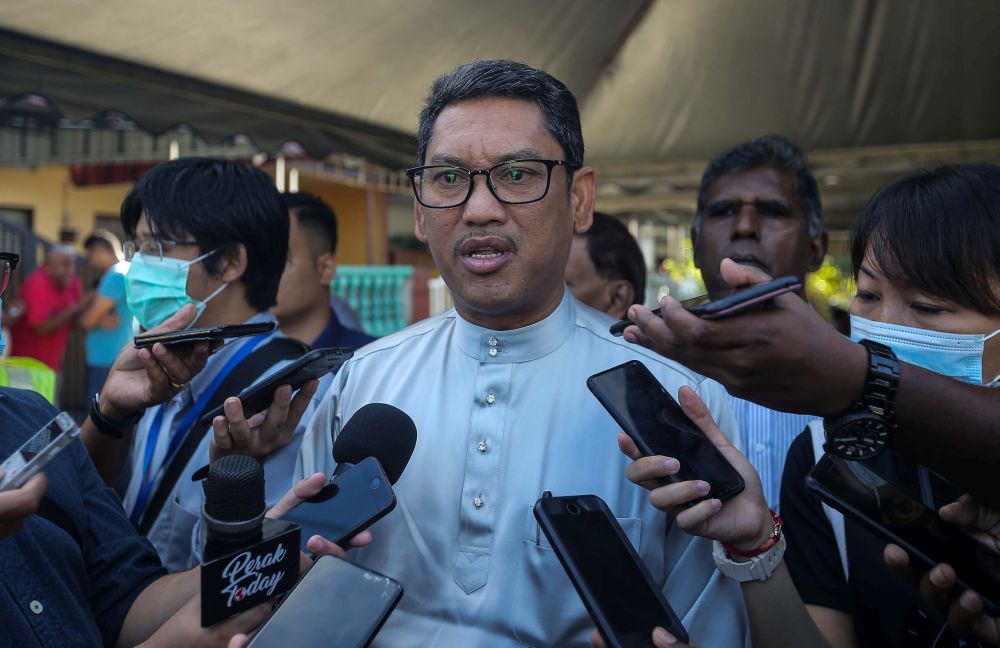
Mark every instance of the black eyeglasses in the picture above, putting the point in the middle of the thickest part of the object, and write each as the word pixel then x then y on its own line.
pixel 8 261
pixel 516 182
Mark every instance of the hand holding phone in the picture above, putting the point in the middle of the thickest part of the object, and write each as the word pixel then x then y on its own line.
pixel 728 303
pixel 40 449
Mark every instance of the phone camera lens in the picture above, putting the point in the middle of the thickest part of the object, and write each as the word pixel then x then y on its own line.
pixel 572 509
pixel 375 483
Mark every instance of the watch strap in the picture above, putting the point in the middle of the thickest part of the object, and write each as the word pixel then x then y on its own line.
pixel 758 568
pixel 881 381
pixel 105 425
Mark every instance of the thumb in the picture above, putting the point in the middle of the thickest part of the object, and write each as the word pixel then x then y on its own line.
pixel 696 410
pixel 738 276
pixel 177 321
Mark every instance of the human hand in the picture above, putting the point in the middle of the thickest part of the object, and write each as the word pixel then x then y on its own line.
pixel 743 521
pixel 264 432
pixel 141 378
pixel 772 356
pixel 184 627
pixel 661 639
pixel 964 612
pixel 19 504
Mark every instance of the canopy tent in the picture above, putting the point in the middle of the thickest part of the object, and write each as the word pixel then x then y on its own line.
pixel 870 87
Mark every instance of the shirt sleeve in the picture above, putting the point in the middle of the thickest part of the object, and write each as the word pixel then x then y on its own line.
pixel 112 286
pixel 812 556
pixel 120 563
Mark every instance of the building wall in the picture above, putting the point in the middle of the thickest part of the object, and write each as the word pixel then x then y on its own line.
pixel 349 203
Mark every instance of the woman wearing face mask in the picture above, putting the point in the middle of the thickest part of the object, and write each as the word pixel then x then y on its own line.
pixel 926 255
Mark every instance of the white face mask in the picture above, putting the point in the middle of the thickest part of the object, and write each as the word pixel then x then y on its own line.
pixel 957 355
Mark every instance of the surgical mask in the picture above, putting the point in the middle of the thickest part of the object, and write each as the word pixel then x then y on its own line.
pixel 957 355
pixel 155 289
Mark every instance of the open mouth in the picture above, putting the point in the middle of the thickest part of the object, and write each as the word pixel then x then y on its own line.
pixel 485 254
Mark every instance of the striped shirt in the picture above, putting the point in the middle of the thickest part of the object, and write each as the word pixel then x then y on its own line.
pixel 767 434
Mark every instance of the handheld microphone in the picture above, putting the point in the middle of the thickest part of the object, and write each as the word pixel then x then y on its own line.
pixel 371 453
pixel 249 559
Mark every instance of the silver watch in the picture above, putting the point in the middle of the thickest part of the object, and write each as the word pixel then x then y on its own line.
pixel 758 568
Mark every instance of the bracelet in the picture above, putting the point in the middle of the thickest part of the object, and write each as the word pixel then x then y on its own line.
pixel 770 542
pixel 105 425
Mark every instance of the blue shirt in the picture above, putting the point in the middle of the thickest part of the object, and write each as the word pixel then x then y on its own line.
pixel 103 346
pixel 70 575
pixel 767 435
pixel 337 335
pixel 502 416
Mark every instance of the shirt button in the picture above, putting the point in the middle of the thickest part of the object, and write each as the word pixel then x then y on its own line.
pixel 491 398
pixel 493 342
pixel 482 447
pixel 760 447
pixel 478 502
pixel 36 607
pixel 493 352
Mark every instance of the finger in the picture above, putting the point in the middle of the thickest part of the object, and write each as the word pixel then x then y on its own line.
pixel 361 539
pixel 653 469
pixel 738 276
pixel 297 408
pixel 23 502
pixel 964 511
pixel 936 585
pixel 177 321
pixel 964 612
pixel 159 389
pixel 239 429
pixel 596 641
pixel 672 496
pixel 221 439
pixel 627 446
pixel 634 335
pixel 175 367
pixel 318 546
pixel 238 641
pixel 303 489
pixel 663 639
pixel 691 518
pixel 695 410
pixel 899 562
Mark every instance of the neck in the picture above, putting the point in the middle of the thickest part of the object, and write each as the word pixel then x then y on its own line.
pixel 308 325
pixel 508 321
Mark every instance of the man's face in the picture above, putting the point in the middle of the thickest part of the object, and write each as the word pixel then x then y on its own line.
pixel 60 266
pixel 587 285
pixel 199 283
pixel 100 258
pixel 302 283
pixel 753 217
pixel 504 263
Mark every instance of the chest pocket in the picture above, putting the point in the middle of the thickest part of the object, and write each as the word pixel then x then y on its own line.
pixel 546 610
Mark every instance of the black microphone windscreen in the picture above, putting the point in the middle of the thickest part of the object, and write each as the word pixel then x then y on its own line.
pixel 381 431
pixel 234 489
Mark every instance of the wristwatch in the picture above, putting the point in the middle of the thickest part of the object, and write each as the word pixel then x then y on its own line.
pixel 760 563
pixel 106 426
pixel 867 427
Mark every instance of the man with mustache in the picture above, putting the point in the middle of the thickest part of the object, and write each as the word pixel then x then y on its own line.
pixel 497 388
pixel 758 204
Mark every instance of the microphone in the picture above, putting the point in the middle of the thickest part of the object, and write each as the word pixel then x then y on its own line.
pixel 249 559
pixel 371 453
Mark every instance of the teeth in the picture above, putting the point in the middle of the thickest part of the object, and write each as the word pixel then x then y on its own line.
pixel 485 255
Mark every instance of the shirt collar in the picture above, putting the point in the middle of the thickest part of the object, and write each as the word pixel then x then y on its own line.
pixel 218 360
pixel 518 345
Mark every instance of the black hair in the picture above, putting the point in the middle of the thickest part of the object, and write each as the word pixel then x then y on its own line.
pixel 218 203
pixel 615 253
pixel 500 78
pixel 314 215
pixel 774 151
pixel 937 231
pixel 105 239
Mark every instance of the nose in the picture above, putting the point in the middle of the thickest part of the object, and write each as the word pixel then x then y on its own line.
pixel 746 224
pixel 482 208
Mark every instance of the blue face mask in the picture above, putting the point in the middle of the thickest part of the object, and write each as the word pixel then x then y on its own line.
pixel 155 289
pixel 959 356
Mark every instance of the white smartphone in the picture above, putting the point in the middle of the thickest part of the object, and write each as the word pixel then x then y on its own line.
pixel 37 451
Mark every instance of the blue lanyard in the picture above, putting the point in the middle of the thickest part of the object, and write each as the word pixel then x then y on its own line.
pixel 180 431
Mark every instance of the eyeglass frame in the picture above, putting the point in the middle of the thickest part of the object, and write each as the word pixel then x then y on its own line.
pixel 129 248
pixel 11 259
pixel 549 164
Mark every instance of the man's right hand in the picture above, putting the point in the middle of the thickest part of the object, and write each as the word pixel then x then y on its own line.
pixel 661 639
pixel 141 378
pixel 19 504
pixel 776 356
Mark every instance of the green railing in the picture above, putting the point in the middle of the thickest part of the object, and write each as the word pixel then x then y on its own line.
pixel 380 295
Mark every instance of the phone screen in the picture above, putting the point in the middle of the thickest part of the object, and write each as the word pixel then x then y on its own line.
pixel 37 451
pixel 890 512
pixel 336 603
pixel 589 538
pixel 658 425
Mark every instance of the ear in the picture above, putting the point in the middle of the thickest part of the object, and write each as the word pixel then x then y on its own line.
pixel 233 264
pixel 621 295
pixel 817 251
pixel 418 217
pixel 326 266
pixel 581 199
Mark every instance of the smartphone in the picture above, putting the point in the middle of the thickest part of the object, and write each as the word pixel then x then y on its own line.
pixel 336 603
pixel 314 364
pixel 889 512
pixel 728 303
pixel 349 504
pixel 190 336
pixel 37 451
pixel 650 416
pixel 615 586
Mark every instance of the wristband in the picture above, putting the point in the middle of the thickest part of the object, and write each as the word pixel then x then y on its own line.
pixel 770 542
pixel 105 425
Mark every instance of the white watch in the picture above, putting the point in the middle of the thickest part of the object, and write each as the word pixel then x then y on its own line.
pixel 758 568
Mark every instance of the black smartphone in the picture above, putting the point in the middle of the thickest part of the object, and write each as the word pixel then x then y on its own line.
pixel 314 364
pixel 889 512
pixel 728 303
pixel 352 501
pixel 190 336
pixel 615 586
pixel 650 416
pixel 336 603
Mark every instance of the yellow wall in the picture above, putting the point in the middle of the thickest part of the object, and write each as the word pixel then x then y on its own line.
pixel 349 204
pixel 50 193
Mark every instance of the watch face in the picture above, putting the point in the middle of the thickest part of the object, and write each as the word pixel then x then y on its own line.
pixel 860 436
